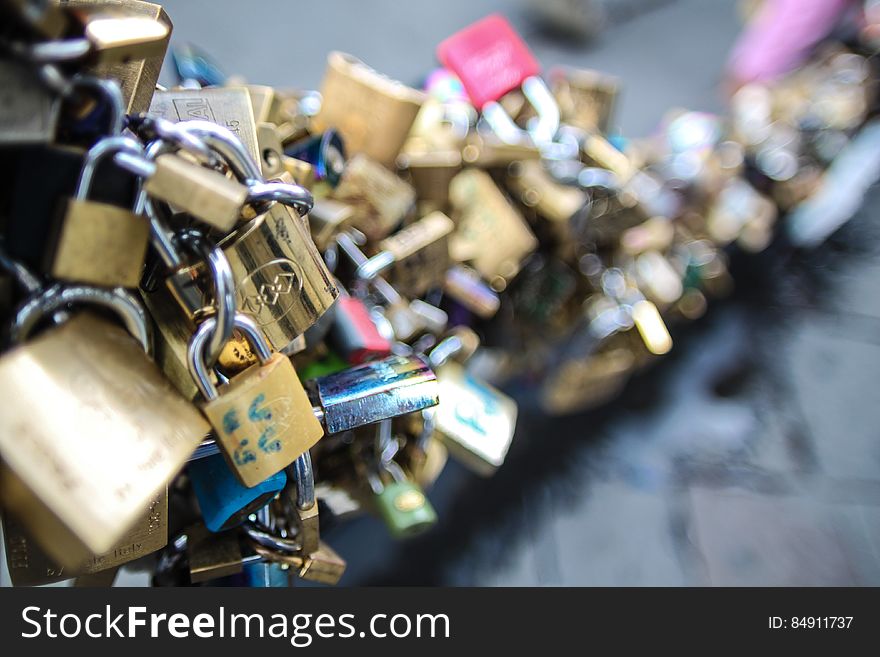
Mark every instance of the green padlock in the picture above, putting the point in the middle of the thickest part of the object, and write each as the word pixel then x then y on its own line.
pixel 402 504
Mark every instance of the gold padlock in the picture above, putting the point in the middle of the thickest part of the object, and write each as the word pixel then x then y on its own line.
pixel 372 112
pixel 100 243
pixel 117 435
pixel 229 107
pixel 586 98
pixel 281 281
pixel 31 566
pixel 137 77
pixel 263 417
pixel 491 235
pixel 379 199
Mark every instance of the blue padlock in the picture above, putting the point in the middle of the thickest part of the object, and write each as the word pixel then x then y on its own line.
pixel 224 501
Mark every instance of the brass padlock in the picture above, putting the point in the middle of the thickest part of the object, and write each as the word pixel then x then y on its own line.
pixel 263 418
pixel 212 555
pixel 100 243
pixel 281 281
pixel 118 33
pixel 418 255
pixel 92 470
pixel 229 107
pixel 31 566
pixel 379 199
pixel 491 235
pixel 586 98
pixel 372 112
pixel 324 565
pixel 534 187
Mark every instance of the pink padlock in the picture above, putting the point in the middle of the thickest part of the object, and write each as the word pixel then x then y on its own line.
pixel 491 60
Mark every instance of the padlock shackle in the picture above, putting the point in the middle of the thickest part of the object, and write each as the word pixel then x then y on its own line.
pixel 195 355
pixel 224 290
pixel 111 92
pixel 304 479
pixel 124 149
pixel 223 142
pixel 152 128
pixel 295 196
pixel 122 302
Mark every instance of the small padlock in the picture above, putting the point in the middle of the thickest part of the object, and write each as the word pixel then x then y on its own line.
pixel 586 98
pixel 203 193
pixel 402 504
pixel 302 504
pixel 490 234
pixel 100 243
pixel 418 254
pixel 223 500
pixel 323 566
pixel 353 334
pixel 492 60
pixel 374 113
pixel 379 199
pixel 211 555
pixel 115 439
pixel 263 418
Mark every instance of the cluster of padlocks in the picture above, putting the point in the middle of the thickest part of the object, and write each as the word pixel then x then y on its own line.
pixel 224 303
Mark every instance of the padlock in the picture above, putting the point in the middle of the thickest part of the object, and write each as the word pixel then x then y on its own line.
pixel 323 566
pixel 430 172
pixel 30 110
pixel 559 204
pixel 100 243
pixel 379 199
pixel 121 32
pixel 229 107
pixel 354 335
pixel 586 98
pixel 327 219
pixel 30 566
pixel 212 555
pixel 418 254
pixel 490 234
pixel 492 60
pixel 138 76
pixel 207 195
pixel 401 503
pixel 263 418
pixel 474 420
pixel 223 500
pixel 91 472
pixel 374 391
pixel 280 279
pixel 372 112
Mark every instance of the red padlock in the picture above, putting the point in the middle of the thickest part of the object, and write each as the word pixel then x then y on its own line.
pixel 492 60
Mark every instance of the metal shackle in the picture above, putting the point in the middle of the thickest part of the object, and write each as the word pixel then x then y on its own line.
pixel 224 290
pixel 195 355
pixel 304 479
pixel 152 128
pixel 103 148
pixel 111 92
pixel 230 148
pixel 57 297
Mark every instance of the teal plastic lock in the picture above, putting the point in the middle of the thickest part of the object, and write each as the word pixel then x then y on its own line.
pixel 224 501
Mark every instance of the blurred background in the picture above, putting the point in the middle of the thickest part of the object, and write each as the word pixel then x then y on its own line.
pixel 748 456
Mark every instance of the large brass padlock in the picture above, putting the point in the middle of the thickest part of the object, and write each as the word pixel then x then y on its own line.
pixel 116 435
pixel 263 418
pixel 31 566
pixel 100 243
pixel 374 113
